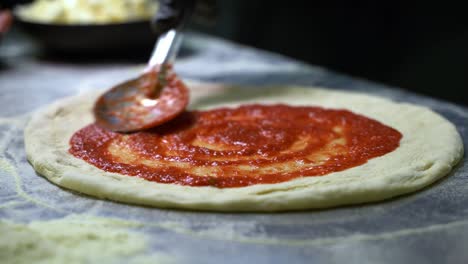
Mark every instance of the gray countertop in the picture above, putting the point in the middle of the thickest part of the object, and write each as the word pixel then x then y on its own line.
pixel 429 226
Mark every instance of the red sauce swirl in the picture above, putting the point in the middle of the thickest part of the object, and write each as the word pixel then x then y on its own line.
pixel 236 147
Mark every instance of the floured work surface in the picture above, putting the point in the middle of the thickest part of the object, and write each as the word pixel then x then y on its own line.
pixel 428 226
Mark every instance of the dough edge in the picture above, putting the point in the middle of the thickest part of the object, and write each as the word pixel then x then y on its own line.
pixel 424 156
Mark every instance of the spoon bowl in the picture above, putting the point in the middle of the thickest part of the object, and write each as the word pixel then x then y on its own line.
pixel 142 103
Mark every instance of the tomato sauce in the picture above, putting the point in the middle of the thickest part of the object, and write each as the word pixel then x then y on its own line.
pixel 237 147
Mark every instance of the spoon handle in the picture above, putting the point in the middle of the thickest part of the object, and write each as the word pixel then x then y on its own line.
pixel 165 49
pixel 168 23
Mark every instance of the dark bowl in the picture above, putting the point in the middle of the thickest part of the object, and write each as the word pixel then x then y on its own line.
pixel 90 38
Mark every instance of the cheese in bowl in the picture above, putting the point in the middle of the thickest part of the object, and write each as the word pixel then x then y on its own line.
pixel 87 11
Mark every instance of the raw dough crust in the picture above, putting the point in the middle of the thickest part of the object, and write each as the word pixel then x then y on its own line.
pixel 429 149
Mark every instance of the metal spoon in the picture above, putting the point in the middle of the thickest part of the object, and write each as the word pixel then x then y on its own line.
pixel 149 100
pixel 157 95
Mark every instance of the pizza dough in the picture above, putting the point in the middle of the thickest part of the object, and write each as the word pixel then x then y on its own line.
pixel 429 149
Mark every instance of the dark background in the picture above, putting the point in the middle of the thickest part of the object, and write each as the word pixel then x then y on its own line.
pixel 421 47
